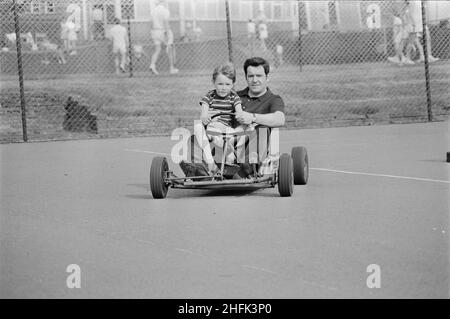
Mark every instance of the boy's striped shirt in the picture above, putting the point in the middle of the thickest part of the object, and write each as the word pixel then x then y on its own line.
pixel 225 104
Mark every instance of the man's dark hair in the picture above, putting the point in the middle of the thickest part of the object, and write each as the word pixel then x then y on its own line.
pixel 255 62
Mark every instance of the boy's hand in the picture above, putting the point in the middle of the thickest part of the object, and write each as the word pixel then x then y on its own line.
pixel 206 118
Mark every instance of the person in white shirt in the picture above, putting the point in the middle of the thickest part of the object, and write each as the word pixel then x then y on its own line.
pixel 119 37
pixel 162 34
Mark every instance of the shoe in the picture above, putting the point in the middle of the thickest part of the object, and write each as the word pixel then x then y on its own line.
pixel 230 170
pixel 407 61
pixel 153 69
pixel 245 170
pixel 201 170
pixel 394 59
pixel 174 71
pixel 432 59
pixel 197 169
pixel 188 169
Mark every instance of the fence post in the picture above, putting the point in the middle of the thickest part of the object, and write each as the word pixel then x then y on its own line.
pixel 230 48
pixel 425 52
pixel 130 50
pixel 20 71
pixel 300 62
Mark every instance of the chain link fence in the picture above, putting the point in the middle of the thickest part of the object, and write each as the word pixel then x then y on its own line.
pixel 329 62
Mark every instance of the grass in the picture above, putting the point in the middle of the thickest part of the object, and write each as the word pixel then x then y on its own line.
pixel 318 96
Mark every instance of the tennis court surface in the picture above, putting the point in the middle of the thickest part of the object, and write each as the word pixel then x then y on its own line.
pixel 377 195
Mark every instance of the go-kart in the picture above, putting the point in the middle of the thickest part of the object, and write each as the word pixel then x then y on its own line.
pixel 284 170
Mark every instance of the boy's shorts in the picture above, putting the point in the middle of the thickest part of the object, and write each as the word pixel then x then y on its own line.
pixel 220 127
pixel 161 37
pixel 119 49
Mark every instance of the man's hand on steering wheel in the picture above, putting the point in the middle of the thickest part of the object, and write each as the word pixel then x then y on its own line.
pixel 244 117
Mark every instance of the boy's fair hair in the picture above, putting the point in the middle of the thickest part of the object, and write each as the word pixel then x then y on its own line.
pixel 255 62
pixel 226 69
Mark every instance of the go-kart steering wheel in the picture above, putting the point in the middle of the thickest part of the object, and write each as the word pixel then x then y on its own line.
pixel 232 114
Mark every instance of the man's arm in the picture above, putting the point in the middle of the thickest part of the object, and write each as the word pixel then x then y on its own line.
pixel 275 119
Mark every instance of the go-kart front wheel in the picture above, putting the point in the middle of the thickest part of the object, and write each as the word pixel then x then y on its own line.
pixel 285 175
pixel 301 165
pixel 157 174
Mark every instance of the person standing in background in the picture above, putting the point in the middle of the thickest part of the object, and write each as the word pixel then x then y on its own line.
pixel 119 37
pixel 162 34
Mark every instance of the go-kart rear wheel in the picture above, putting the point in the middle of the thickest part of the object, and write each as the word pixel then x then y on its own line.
pixel 157 173
pixel 301 165
pixel 285 175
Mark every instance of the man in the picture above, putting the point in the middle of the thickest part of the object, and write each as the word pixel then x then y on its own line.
pixel 260 106
pixel 162 34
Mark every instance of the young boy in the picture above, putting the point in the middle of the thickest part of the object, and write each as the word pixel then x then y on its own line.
pixel 119 37
pixel 222 99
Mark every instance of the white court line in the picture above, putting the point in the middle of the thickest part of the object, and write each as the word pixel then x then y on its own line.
pixel 142 151
pixel 260 269
pixel 380 175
